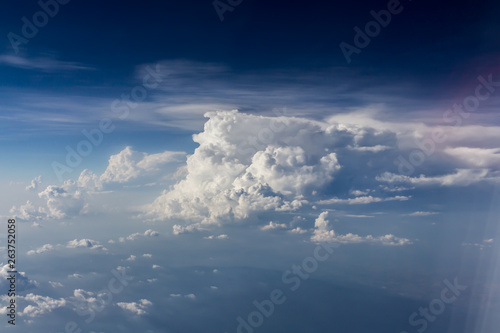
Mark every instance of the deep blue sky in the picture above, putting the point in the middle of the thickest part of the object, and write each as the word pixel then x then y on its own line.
pixel 207 207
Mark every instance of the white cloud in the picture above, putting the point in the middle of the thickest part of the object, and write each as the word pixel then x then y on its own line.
pixel 420 213
pixel 56 284
pixel 85 243
pixel 273 226
pixel 361 200
pixel 73 244
pixel 476 157
pixel 374 149
pixel 298 230
pixel 190 296
pixel 484 244
pixel 43 64
pixel 42 305
pixel 22 281
pixel 147 255
pixel 358 216
pixel 84 300
pixel 137 308
pixel 246 163
pixel 34 183
pixel 28 211
pixel 72 197
pixel 75 276
pixel 131 258
pixel 147 233
pixel 223 236
pixel 358 193
pixel 462 177
pixel 322 233
pixel 44 248
pixel 129 164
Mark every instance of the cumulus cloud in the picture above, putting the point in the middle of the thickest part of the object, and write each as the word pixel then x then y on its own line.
pixel 273 226
pixel 298 230
pixel 246 164
pixel 40 305
pixel 86 301
pixel 130 164
pixel 28 211
pixel 147 233
pixel 137 308
pixel 85 243
pixel 358 193
pixel 34 183
pixel 323 233
pixel 72 197
pixel 42 249
pixel 22 281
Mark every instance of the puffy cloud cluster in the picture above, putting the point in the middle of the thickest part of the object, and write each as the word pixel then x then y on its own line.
pixel 34 183
pixel 41 305
pixel 323 233
pixel 147 233
pixel 247 163
pixel 85 243
pixel 22 281
pixel 137 308
pixel 72 197
pixel 130 164
pixel 73 244
pixel 274 226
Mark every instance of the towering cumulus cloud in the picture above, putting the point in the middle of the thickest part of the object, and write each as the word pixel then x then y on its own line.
pixel 247 163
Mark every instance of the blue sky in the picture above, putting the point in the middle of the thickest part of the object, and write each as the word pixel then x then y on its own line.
pixel 171 165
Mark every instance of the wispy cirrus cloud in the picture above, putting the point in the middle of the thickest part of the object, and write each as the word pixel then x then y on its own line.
pixel 44 64
pixel 362 200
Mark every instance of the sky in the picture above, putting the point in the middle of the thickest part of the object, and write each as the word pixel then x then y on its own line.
pixel 246 166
